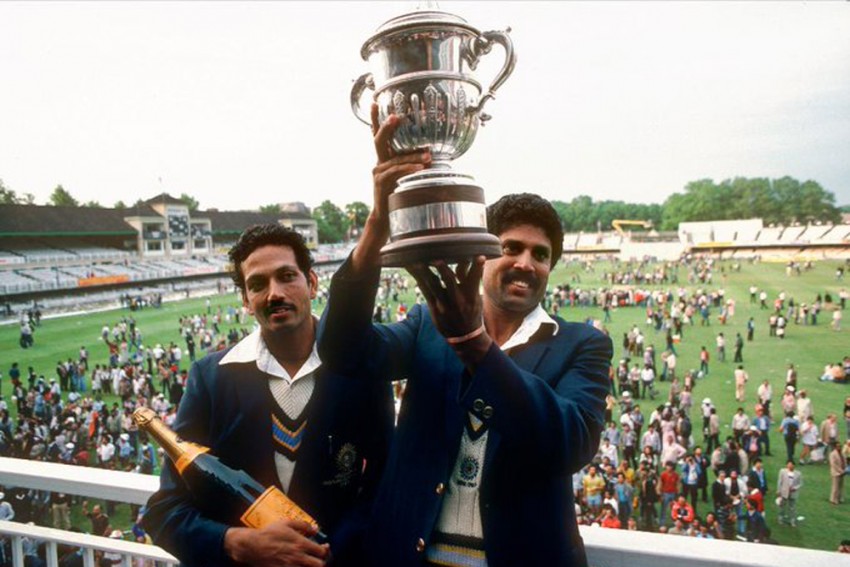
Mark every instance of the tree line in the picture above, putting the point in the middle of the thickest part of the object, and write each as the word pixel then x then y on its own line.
pixel 781 201
pixel 775 201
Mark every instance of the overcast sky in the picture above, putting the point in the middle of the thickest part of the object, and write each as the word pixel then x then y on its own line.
pixel 245 104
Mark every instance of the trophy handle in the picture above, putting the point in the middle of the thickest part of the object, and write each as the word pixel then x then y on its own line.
pixel 482 45
pixel 362 83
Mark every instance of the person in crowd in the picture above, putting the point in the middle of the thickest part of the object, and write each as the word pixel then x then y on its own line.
pixel 790 429
pixel 99 520
pixel 721 347
pixel 691 472
pixel 739 347
pixel 788 485
pixel 650 488
pixel 829 429
pixel 837 471
pixel 805 408
pixel 669 488
pixel 682 511
pixel 757 477
pixel 736 490
pixel 7 512
pixel 757 530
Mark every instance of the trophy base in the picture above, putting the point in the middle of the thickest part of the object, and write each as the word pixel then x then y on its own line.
pixel 438 214
pixel 449 248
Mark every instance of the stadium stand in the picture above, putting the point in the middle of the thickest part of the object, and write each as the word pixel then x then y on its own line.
pixel 46 249
pixel 12 282
pixel 792 234
pixel 588 239
pixel 770 235
pixel 10 258
pixel 742 239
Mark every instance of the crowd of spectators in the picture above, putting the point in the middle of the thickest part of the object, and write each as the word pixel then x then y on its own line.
pixel 668 470
pixel 67 419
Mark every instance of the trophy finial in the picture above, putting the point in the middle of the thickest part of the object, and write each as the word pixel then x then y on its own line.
pixel 427 6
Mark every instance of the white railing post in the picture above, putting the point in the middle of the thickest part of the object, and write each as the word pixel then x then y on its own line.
pixel 17 551
pixel 51 553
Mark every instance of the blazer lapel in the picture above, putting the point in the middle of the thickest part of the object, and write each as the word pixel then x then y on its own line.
pixel 529 357
pixel 455 415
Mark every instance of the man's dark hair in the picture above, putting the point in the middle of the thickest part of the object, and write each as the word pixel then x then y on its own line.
pixel 261 235
pixel 527 208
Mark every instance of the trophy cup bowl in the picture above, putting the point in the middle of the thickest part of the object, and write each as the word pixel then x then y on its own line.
pixel 422 71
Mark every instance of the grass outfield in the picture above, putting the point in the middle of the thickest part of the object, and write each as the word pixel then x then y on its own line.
pixel 809 348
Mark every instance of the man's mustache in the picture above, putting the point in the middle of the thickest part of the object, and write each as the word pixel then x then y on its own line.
pixel 277 305
pixel 526 277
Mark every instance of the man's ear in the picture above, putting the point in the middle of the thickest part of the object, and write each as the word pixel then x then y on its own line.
pixel 245 303
pixel 313 282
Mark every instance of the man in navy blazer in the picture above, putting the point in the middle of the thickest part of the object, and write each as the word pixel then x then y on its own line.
pixel 503 402
pixel 269 406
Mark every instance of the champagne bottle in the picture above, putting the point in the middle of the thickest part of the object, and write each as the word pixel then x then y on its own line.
pixel 207 477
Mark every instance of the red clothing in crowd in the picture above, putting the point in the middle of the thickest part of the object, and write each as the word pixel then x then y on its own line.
pixel 611 522
pixel 684 512
pixel 758 498
pixel 669 482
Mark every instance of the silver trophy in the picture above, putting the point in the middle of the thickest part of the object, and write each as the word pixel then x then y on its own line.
pixel 422 71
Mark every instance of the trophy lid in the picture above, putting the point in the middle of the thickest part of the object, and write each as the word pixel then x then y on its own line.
pixel 421 19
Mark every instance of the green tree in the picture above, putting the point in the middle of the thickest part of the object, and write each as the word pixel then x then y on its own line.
pixel 578 214
pixel 583 214
pixel 271 209
pixel 784 200
pixel 119 205
pixel 62 198
pixel 190 201
pixel 93 205
pixel 357 213
pixel 7 196
pixel 332 222
pixel 817 203
pixel 28 199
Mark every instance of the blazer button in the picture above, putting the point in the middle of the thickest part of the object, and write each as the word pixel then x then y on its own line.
pixel 478 405
pixel 420 545
pixel 440 488
pixel 487 413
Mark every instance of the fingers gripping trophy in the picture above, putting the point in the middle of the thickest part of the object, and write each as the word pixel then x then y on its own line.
pixel 423 67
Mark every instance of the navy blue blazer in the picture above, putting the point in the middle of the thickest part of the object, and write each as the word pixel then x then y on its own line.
pixel 228 409
pixel 544 404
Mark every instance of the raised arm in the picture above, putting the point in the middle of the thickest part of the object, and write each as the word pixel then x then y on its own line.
pixel 385 175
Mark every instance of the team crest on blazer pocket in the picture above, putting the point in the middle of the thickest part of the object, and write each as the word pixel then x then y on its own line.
pixel 345 466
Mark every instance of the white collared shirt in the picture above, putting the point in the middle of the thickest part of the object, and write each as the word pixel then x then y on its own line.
pixel 253 349
pixel 292 393
pixel 529 326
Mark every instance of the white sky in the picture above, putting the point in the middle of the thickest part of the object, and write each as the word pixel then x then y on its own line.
pixel 245 104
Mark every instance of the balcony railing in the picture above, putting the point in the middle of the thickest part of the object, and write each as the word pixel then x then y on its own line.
pixel 605 547
pixel 102 484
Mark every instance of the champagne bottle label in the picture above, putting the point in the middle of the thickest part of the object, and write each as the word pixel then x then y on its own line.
pixel 273 505
pixel 185 459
